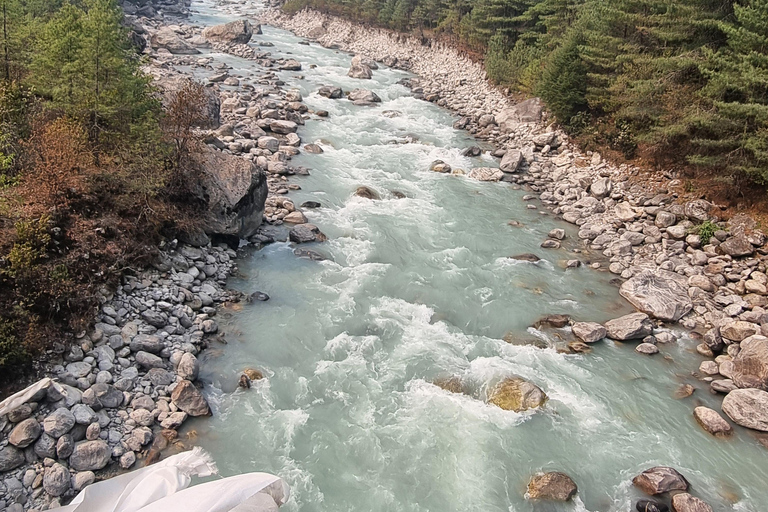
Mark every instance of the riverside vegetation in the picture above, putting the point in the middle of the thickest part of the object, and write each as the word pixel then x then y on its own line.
pixel 679 83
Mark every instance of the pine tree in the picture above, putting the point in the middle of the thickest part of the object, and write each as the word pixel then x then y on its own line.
pixel 733 135
pixel 563 85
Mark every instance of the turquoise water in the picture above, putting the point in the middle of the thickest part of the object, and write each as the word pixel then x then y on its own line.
pixel 421 288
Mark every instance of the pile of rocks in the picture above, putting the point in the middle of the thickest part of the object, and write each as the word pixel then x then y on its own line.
pixel 127 381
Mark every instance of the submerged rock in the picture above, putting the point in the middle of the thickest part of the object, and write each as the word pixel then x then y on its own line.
pixel 526 257
pixel 304 233
pixel 552 486
pixel 659 293
pixel 363 96
pixel 660 479
pixel 439 166
pixel 367 193
pixel 452 384
pixel 517 394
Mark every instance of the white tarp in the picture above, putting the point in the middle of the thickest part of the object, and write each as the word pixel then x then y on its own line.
pixel 160 488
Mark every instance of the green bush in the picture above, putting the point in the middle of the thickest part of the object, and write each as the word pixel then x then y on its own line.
pixel 13 353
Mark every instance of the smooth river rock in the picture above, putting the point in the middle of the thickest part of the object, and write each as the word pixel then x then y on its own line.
pixel 552 486
pixel 629 327
pixel 660 479
pixel 659 293
pixel 711 421
pixel 748 408
pixel 589 332
pixel 684 502
pixel 25 433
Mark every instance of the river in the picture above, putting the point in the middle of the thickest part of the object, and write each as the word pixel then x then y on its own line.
pixel 421 288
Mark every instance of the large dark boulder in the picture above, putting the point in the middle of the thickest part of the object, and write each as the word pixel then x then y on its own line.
pixel 234 191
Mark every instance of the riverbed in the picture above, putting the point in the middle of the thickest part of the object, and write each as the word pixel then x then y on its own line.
pixel 420 288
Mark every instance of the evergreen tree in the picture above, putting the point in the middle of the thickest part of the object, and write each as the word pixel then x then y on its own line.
pixel 564 81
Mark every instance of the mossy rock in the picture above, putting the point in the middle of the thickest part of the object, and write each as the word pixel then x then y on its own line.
pixel 517 394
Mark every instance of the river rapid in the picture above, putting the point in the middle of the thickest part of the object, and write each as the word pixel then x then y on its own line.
pixel 421 288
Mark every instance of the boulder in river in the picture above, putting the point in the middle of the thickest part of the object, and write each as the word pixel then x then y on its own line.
pixel 234 32
pixel 304 233
pixel 660 479
pixel 233 190
pixel 366 193
pixel 659 293
pixel 554 485
pixel 684 502
pixel 331 92
pixel 711 421
pixel 517 394
pixel 439 166
pixel 651 506
pixel 363 97
pixel 361 71
pixel 532 258
pixel 589 332
pixel 629 327
pixel 290 65
pixel 748 408
pixel 750 366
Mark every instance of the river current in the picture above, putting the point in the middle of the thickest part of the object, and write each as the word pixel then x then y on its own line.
pixel 421 288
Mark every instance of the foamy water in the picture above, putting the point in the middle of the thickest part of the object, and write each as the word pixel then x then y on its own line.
pixel 421 288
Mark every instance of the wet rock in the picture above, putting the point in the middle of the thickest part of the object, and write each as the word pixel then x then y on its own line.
pixel 651 506
pixel 11 458
pixel 367 193
pixel 629 327
pixel 750 366
pixel 439 166
pixel 313 149
pixel 684 391
pixel 684 502
pixel 304 233
pixel 557 234
pixel 290 65
pixel 235 32
pixel 589 332
pixel 309 254
pixel 363 95
pixel 748 408
pixel 189 399
pixel 485 174
pixel 517 394
pixel 25 433
pixel 552 486
pixel 90 456
pixel 660 479
pixel 452 384
pixel 711 421
pixel 557 321
pixel 659 293
pixel 550 244
pixel 360 71
pixel 330 92
pixel 310 204
pixel 295 218
pixel 59 422
pixel 647 349
pixel 56 480
pixel 526 257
